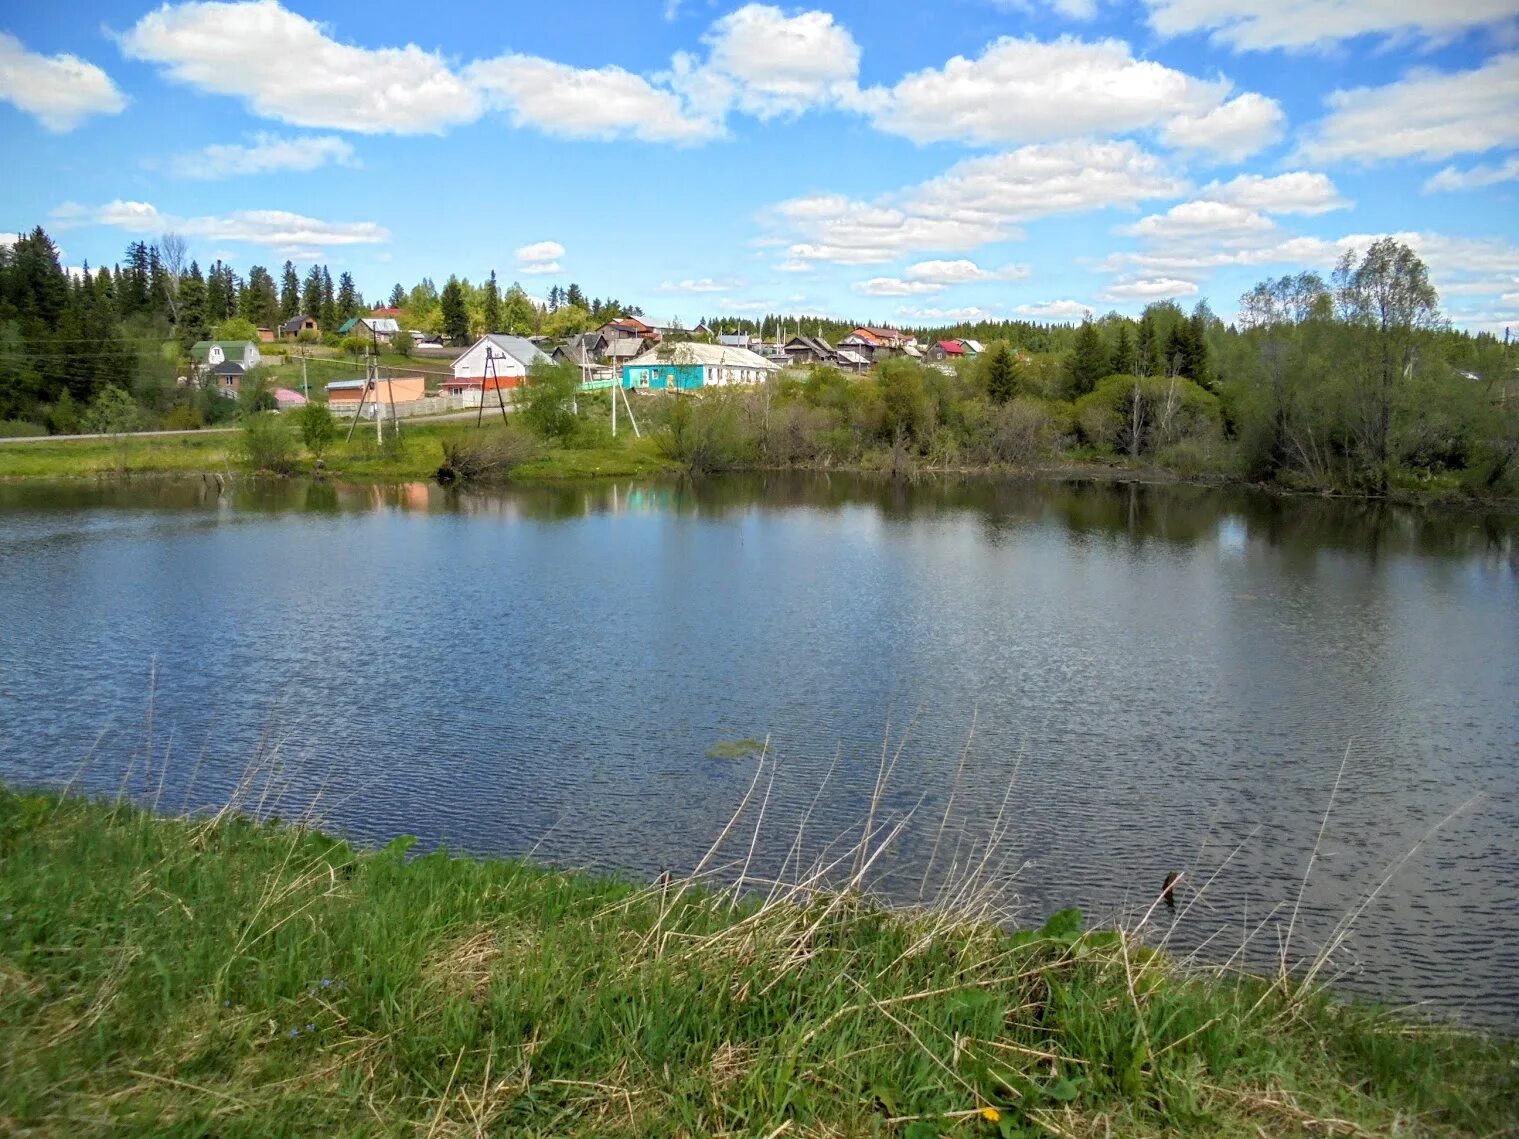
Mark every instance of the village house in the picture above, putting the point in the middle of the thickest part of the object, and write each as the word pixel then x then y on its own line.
pixel 805 350
pixel 346 395
pixel 495 361
pixel 973 348
pixel 292 328
pixel 629 328
pixel 207 355
pixel 877 344
pixel 691 366
pixel 379 329
pixel 851 361
pixel 946 350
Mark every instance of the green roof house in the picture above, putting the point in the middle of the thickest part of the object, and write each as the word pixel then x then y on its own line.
pixel 207 354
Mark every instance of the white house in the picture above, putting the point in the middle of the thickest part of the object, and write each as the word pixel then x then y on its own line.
pixel 505 357
pixel 382 328
pixel 686 367
pixel 209 353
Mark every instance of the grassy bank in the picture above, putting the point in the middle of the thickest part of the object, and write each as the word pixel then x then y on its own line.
pixel 229 977
pixel 416 457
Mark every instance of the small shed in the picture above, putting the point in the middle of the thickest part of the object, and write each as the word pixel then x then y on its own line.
pixel 349 393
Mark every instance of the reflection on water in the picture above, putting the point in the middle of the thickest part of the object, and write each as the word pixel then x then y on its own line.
pixel 1151 677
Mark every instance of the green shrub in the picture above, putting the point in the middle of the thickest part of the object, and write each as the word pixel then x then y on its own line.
pixel 317 426
pixel 267 444
pixel 20 429
pixel 1139 415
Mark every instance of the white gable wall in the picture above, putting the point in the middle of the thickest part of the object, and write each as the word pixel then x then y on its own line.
pixel 471 365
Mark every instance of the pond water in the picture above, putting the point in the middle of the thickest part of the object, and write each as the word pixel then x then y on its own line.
pixel 1078 688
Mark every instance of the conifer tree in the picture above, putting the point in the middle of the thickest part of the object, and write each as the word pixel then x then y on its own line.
pixel 1001 374
pixel 492 311
pixel 1125 359
pixel 1089 360
pixel 329 302
pixel 290 293
pixel 348 297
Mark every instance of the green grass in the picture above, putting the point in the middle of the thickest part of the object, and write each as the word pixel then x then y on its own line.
pixel 418 457
pixel 212 451
pixel 229 977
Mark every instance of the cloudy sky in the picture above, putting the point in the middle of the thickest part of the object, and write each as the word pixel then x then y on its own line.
pixel 904 162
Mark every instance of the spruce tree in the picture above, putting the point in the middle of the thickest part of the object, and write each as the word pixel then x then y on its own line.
pixel 1125 359
pixel 290 293
pixel 492 304
pixel 348 297
pixel 1089 360
pixel 311 297
pixel 397 296
pixel 329 302
pixel 1001 374
pixel 455 312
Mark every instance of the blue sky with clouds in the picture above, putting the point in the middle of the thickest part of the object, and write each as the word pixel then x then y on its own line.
pixel 901 162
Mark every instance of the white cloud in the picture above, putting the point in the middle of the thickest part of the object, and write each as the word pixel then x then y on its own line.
pixel 1475 178
pixel 1232 131
pixel 1259 24
pixel 1055 310
pixel 769 64
pixel 896 287
pixel 60 90
pixel 962 272
pixel 703 285
pixel 288 68
pixel 275 228
pixel 588 103
pixel 264 154
pixel 1300 192
pixel 969 314
pixel 1217 223
pixel 1148 289
pixel 759 61
pixel 1426 114
pixel 539 259
pixel 1028 90
pixel 974 203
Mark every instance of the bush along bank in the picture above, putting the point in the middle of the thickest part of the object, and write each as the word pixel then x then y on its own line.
pixel 237 977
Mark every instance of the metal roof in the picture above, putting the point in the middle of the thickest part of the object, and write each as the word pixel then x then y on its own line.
pixel 711 355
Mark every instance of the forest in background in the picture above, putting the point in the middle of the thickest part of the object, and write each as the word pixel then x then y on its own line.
pixel 1351 382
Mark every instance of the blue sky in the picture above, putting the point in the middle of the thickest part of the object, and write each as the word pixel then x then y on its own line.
pixel 899 162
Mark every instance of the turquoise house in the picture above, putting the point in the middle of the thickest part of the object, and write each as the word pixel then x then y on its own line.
pixel 691 367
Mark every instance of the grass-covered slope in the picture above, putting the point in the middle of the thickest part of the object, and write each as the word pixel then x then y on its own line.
pixel 225 977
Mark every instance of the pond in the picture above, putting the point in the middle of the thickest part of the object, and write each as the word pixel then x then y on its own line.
pixel 1077 689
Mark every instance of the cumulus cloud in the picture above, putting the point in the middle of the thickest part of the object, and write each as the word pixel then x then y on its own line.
pixel 588 103
pixel 61 91
pixel 1474 178
pixel 539 258
pixel 1028 90
pixel 896 287
pixel 264 154
pixel 1065 311
pixel 287 67
pixel 1426 114
pixel 1232 131
pixel 963 272
pixel 278 229
pixel 769 64
pixel 1261 24
pixel 1148 289
pixel 1299 192
pixel 758 61
pixel 975 202
pixel 969 313
pixel 702 285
